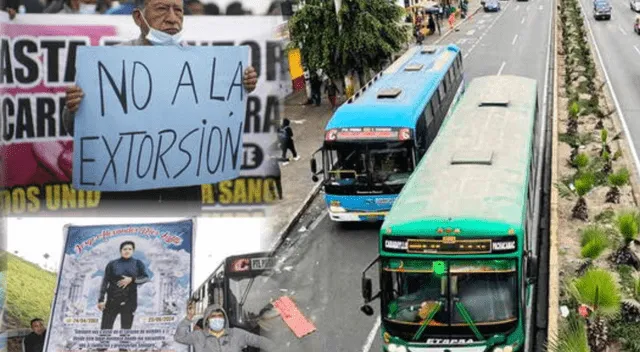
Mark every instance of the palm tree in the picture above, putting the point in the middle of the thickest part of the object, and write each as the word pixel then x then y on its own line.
pixel 583 185
pixel 572 337
pixel 599 291
pixel 616 180
pixel 628 224
pixel 594 241
pixel 574 113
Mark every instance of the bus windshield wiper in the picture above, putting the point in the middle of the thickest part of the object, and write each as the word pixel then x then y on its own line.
pixel 428 320
pixel 467 318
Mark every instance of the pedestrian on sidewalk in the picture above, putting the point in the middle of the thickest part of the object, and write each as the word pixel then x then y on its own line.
pixel 332 90
pixel 431 25
pixel 285 135
pixel 316 85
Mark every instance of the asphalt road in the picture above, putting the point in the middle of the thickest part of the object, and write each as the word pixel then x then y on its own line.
pixel 325 259
pixel 619 48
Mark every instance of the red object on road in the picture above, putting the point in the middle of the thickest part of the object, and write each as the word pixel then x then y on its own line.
pixel 293 317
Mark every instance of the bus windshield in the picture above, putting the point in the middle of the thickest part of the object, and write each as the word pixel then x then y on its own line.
pixel 485 291
pixel 368 164
pixel 248 299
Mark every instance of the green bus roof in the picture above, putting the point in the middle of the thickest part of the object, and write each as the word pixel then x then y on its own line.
pixel 476 172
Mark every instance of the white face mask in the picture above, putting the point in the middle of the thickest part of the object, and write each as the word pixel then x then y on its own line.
pixel 157 37
pixel 87 9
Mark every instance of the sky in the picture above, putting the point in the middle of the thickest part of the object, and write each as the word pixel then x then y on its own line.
pixel 216 239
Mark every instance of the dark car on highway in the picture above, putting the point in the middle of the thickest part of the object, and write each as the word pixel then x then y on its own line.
pixel 601 10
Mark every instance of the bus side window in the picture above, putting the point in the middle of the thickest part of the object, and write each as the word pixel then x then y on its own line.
pixel 450 78
pixel 435 102
pixel 454 71
pixel 442 92
pixel 421 134
pixel 432 125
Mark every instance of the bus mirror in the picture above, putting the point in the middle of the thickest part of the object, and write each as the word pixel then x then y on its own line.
pixel 314 167
pixel 314 178
pixel 366 289
pixel 532 267
pixel 367 310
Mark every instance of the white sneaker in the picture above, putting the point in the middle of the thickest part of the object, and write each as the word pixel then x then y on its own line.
pixel 285 163
pixel 297 158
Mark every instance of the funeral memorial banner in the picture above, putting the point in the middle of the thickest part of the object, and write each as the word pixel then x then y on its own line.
pixel 122 287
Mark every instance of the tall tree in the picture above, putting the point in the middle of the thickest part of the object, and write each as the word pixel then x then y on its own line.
pixel 371 33
pixel 314 30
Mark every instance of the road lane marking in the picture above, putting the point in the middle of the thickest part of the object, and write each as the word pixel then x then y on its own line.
pixel 513 42
pixel 540 7
pixel 637 50
pixel 622 30
pixel 461 41
pixel 481 22
pixel 486 15
pixel 317 221
pixel 372 335
pixel 517 7
pixel 471 32
pixel 501 68
pixel 613 94
pixel 487 31
pixel 523 18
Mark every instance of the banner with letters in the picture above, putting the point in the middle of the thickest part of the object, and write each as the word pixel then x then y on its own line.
pixel 38 54
pixel 122 287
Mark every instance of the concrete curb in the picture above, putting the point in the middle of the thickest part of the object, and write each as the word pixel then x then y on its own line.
pixel 286 229
pixel 469 16
pixel 554 274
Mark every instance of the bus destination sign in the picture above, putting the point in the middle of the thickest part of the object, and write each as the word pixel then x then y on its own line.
pixel 450 245
pixel 368 133
pixel 239 265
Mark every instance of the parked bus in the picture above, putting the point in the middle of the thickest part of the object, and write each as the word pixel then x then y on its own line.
pixel 374 141
pixel 230 286
pixel 458 250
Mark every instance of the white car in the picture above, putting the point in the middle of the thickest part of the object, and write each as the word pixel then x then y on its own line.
pixel 634 5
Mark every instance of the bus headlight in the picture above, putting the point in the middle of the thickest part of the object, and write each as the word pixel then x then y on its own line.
pixel 336 209
pixel 503 349
pixel 498 349
pixel 396 348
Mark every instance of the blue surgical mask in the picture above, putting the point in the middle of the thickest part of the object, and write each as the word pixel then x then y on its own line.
pixel 216 324
pixel 157 37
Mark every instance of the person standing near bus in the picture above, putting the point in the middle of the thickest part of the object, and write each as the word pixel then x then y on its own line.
pixel 285 135
pixel 332 90
pixel 216 335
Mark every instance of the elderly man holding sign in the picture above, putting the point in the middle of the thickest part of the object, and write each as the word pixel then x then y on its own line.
pixel 160 23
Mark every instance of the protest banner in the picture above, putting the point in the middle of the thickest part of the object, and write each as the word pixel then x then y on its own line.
pixel 39 54
pixel 195 103
pixel 92 310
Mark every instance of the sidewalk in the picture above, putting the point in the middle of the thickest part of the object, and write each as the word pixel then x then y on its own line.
pixel 308 122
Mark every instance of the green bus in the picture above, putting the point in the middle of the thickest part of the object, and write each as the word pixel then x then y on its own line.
pixel 458 250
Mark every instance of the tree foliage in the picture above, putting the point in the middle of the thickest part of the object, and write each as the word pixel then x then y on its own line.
pixel 371 33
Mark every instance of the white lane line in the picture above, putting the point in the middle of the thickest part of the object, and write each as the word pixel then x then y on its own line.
pixel 317 221
pixel 486 15
pixel 481 22
pixel 527 7
pixel 622 30
pixel 485 32
pixel 517 7
pixel 513 42
pixel 372 336
pixel 471 32
pixel 540 7
pixel 501 68
pixel 461 41
pixel 523 18
pixel 613 93
pixel 637 50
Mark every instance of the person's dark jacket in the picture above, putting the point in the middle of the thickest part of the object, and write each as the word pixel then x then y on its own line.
pixel 34 342
pixel 115 271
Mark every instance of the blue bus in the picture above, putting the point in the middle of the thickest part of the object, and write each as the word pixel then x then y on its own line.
pixel 374 141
